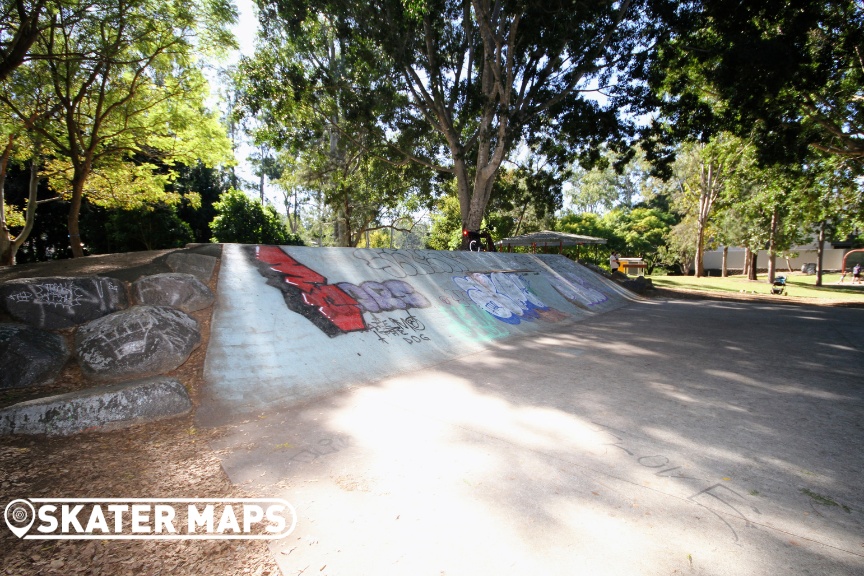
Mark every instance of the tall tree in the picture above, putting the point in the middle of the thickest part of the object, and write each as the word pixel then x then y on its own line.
pixel 122 76
pixel 703 174
pixel 789 74
pixel 480 76
pixel 22 143
pixel 21 23
pixel 313 102
pixel 831 196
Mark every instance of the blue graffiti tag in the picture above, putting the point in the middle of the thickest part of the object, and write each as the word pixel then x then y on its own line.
pixel 502 295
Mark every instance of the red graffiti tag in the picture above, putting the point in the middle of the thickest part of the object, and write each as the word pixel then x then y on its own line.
pixel 331 301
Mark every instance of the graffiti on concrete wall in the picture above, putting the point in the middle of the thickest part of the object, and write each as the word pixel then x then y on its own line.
pixel 506 297
pixel 409 329
pixel 405 263
pixel 308 293
pixel 339 308
pixel 577 291
pixel 335 308
pixel 470 322
pixel 385 296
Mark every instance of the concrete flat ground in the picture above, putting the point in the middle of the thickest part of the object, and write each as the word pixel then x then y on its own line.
pixel 667 437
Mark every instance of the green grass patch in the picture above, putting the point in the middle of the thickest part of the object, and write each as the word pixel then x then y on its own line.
pixel 824 500
pixel 797 285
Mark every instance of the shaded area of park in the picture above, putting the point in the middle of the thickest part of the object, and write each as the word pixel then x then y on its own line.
pixel 692 436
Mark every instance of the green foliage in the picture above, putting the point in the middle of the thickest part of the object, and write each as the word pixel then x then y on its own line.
pixel 147 228
pixel 589 224
pixel 643 231
pixel 314 105
pixel 113 90
pixel 616 180
pixel 680 246
pixel 208 183
pixel 446 231
pixel 377 239
pixel 784 74
pixel 456 85
pixel 243 220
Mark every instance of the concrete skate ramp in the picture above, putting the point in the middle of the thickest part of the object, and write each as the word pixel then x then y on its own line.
pixel 292 323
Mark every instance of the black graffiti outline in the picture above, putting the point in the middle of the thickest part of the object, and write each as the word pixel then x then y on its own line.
pixel 399 327
pixel 708 492
pixel 394 262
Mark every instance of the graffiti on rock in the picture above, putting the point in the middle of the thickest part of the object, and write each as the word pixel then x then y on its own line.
pixel 404 263
pixel 338 308
pixel 505 296
pixel 577 291
pixel 385 296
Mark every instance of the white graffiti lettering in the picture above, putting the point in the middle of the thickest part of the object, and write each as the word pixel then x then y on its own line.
pixel 50 294
pixel 577 291
pixel 502 295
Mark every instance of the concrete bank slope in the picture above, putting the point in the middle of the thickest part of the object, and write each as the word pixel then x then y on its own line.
pixel 292 323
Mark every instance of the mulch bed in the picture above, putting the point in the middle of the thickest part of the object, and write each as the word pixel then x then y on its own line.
pixel 168 459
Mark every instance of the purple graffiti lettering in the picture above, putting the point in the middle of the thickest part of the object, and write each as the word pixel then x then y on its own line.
pixel 406 293
pixel 364 299
pixel 385 297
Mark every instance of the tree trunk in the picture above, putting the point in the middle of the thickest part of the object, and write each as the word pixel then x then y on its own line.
pixel 746 270
pixel 473 207
pixel 751 269
pixel 6 257
pixel 725 272
pixel 521 216
pixel 698 267
pixel 8 245
pixel 296 223
pixel 820 252
pixel 79 179
pixel 772 247
pixel 74 211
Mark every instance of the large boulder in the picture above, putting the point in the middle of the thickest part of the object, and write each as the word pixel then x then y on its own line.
pixel 183 291
pixel 640 284
pixel 61 302
pixel 105 407
pixel 138 342
pixel 199 265
pixel 29 356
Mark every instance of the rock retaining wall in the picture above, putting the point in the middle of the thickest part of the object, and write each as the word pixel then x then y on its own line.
pixel 113 342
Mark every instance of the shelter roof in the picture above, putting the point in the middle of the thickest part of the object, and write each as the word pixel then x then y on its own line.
pixel 550 238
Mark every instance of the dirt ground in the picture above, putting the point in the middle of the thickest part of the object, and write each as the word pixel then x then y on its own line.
pixel 168 459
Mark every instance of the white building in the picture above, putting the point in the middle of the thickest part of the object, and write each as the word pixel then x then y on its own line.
pixel 832 258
